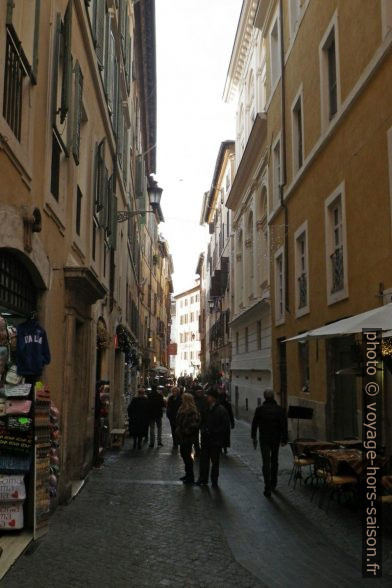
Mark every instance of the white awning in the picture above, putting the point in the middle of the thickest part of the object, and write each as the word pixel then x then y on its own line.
pixel 377 318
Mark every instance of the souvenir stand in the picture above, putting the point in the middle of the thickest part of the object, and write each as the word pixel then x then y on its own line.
pixel 29 437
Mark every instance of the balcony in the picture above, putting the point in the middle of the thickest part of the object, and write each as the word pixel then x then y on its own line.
pixel 302 291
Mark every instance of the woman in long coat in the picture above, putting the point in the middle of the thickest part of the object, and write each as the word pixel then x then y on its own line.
pixel 138 418
pixel 187 430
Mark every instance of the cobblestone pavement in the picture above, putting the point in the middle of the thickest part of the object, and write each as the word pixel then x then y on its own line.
pixel 135 525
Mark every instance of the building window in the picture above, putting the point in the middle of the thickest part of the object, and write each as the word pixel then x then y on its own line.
pixel 14 76
pixel 192 299
pixel 329 74
pixel 79 197
pixel 275 53
pixel 297 121
pixel 186 302
pixel 276 172
pixel 192 317
pixel 279 287
pixel 185 355
pixel 258 335
pixel 55 168
pixel 237 342
pixel 246 339
pixel 336 260
pixel 303 354
pixel 337 255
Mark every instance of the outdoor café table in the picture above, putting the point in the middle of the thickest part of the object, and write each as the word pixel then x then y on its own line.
pixel 349 443
pixel 341 458
pixel 312 446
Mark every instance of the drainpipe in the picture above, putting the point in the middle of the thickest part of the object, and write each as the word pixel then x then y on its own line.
pixel 283 167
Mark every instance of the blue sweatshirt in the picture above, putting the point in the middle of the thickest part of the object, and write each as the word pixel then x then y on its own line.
pixel 32 349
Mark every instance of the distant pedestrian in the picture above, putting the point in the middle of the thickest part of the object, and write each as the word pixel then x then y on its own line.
pixel 156 404
pixel 271 421
pixel 214 431
pixel 187 427
pixel 173 404
pixel 225 402
pixel 138 418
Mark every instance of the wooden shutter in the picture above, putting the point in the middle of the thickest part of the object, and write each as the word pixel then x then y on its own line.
pixel 109 194
pixel 99 175
pixel 67 63
pixel 123 23
pixel 113 228
pixel 100 30
pixel 138 180
pixel 55 67
pixel 103 215
pixel 128 61
pixel 78 108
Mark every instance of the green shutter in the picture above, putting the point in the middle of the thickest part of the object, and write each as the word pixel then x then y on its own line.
pixel 109 194
pixel 78 107
pixel 128 61
pixel 55 67
pixel 10 9
pixel 36 37
pixel 67 63
pixel 123 22
pixel 107 53
pixel 103 215
pixel 125 157
pixel 113 228
pixel 100 30
pixel 138 180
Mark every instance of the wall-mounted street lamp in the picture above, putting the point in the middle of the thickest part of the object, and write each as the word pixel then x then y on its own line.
pixel 154 194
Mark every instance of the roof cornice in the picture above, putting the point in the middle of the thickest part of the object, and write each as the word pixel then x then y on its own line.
pixel 240 49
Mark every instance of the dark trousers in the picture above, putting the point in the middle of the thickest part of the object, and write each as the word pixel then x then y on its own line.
pixel 173 432
pixel 137 439
pixel 186 454
pixel 207 455
pixel 269 454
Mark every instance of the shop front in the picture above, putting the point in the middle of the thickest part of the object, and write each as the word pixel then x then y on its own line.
pixel 29 421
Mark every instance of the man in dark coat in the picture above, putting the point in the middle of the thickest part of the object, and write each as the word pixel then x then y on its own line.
pixel 155 411
pixel 138 418
pixel 271 421
pixel 225 402
pixel 173 404
pixel 214 429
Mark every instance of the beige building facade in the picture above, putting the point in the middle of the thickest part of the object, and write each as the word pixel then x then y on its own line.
pixel 77 142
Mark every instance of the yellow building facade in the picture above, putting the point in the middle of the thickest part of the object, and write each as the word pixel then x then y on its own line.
pixel 329 120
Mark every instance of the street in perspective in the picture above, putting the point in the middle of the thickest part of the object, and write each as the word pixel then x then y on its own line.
pixel 195 293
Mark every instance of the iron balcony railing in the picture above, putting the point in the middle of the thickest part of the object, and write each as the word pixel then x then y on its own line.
pixel 337 270
pixel 302 290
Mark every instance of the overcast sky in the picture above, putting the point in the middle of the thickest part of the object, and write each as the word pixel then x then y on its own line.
pixel 194 43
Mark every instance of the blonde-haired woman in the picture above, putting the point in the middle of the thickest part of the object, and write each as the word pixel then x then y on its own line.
pixel 187 428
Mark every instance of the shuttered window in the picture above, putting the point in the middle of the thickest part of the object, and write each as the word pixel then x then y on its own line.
pixel 67 62
pixel 99 175
pixel 78 110
pixel 55 68
pixel 99 30
pixel 103 214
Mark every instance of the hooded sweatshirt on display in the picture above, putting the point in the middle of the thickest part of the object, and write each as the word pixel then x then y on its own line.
pixel 32 349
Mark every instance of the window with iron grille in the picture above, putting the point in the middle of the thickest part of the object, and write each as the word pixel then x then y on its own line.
pixel 17 290
pixel 14 75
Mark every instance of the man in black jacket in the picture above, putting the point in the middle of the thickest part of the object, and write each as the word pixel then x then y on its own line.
pixel 155 412
pixel 214 430
pixel 173 404
pixel 271 421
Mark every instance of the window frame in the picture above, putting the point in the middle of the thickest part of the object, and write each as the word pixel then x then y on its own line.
pixel 301 233
pixel 297 131
pixel 281 316
pixel 275 75
pixel 332 31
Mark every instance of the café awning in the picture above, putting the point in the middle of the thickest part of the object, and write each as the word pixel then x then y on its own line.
pixel 377 318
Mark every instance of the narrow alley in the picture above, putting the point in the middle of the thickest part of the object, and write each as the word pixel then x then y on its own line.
pixel 135 524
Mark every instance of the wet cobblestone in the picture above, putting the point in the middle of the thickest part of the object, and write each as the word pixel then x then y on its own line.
pixel 135 525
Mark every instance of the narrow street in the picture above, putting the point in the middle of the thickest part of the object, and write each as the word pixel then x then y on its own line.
pixel 135 525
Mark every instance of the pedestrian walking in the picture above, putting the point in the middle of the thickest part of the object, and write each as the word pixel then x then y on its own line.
pixel 173 404
pixel 202 407
pixel 187 427
pixel 156 404
pixel 225 402
pixel 271 421
pixel 213 434
pixel 138 414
